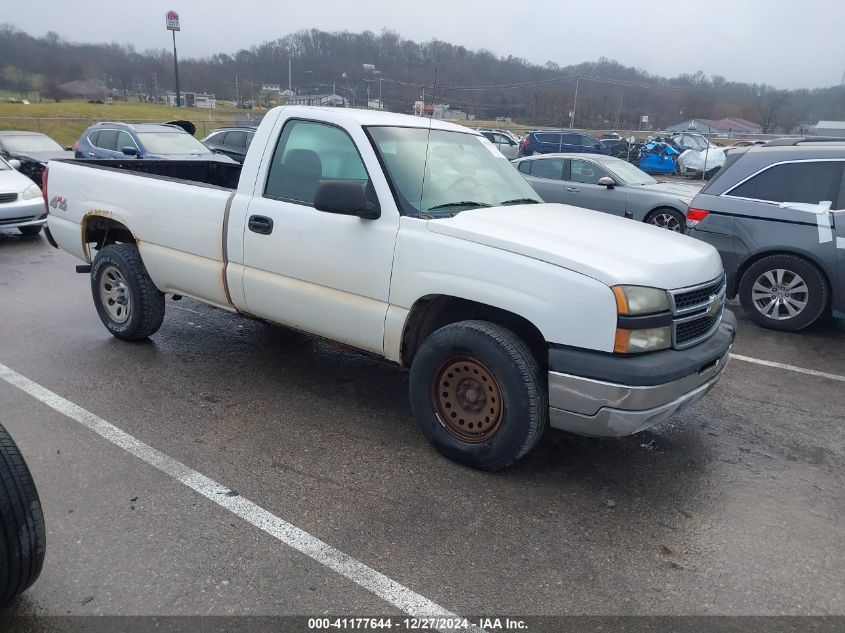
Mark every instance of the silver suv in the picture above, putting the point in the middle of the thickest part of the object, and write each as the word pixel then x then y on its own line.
pixel 776 213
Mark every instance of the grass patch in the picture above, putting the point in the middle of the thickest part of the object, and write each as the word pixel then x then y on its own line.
pixel 65 121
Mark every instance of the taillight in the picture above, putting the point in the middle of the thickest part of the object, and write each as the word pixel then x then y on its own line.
pixel 76 146
pixel 524 142
pixel 44 190
pixel 694 216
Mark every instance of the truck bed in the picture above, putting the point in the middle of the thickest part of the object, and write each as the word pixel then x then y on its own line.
pixel 200 172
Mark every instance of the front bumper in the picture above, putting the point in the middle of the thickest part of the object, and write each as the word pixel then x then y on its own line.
pixel 657 388
pixel 22 213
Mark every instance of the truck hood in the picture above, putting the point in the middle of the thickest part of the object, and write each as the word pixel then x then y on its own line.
pixel 610 249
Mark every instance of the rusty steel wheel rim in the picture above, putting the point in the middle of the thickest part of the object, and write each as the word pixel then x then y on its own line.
pixel 467 399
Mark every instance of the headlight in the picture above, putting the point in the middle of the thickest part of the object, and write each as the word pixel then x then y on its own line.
pixel 634 300
pixel 636 341
pixel 31 192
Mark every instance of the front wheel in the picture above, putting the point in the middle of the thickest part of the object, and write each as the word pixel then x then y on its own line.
pixel 783 292
pixel 478 394
pixel 670 219
pixel 23 538
pixel 127 301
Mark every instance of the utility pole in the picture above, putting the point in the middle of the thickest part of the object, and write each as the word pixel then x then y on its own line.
pixel 237 94
pixel 574 105
pixel 155 83
pixel 172 21
pixel 289 76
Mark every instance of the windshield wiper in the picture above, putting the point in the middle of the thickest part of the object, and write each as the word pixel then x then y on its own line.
pixel 463 203
pixel 520 201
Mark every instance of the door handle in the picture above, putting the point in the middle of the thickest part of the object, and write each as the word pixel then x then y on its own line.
pixel 260 224
pixel 573 189
pixel 91 154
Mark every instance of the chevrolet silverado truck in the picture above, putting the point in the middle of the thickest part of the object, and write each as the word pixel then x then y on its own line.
pixel 415 240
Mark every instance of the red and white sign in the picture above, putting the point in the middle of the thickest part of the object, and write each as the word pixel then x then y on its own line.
pixel 172 19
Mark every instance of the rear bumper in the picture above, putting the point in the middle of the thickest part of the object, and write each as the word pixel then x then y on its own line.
pixel 591 405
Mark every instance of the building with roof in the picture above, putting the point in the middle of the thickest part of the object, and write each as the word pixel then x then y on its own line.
pixel 830 128
pixel 330 100
pixel 717 127
pixel 88 89
pixel 193 100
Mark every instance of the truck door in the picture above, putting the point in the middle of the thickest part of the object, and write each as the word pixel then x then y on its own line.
pixel 319 272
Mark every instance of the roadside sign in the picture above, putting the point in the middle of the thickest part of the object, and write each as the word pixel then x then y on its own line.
pixel 645 118
pixel 172 19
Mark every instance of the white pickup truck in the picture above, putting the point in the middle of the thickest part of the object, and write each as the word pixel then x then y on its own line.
pixel 415 240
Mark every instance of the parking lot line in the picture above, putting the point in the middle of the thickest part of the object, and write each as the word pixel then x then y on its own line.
pixel 800 370
pixel 374 581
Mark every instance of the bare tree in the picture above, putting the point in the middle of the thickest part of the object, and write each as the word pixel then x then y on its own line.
pixel 769 105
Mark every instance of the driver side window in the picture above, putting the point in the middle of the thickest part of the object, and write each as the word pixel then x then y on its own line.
pixel 307 153
pixel 586 172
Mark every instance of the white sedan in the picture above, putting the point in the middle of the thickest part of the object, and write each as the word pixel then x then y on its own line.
pixel 21 205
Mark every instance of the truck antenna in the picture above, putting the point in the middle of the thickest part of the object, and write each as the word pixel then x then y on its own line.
pixel 428 138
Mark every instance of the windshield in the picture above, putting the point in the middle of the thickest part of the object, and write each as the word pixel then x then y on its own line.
pixel 629 173
pixel 34 143
pixel 458 171
pixel 165 143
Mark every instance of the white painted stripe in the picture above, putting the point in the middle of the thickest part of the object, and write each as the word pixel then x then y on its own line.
pixel 800 370
pixel 385 588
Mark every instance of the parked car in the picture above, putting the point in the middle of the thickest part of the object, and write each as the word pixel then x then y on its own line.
pixel 613 142
pixel 608 184
pixel 21 204
pixel 231 141
pixel 408 238
pixel 776 213
pixel 503 142
pixel 32 150
pixel 556 141
pixel 145 141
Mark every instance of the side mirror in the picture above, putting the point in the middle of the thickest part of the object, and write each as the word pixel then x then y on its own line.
pixel 129 150
pixel 14 163
pixel 345 197
pixel 607 181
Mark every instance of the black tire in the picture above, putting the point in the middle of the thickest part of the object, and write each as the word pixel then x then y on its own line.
pixel 23 538
pixel 652 218
pixel 524 409
pixel 146 302
pixel 30 231
pixel 817 295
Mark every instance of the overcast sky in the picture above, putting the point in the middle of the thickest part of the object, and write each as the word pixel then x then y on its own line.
pixel 784 43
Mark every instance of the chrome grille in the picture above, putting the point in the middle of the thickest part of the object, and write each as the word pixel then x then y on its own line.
pixel 698 312
pixel 8 197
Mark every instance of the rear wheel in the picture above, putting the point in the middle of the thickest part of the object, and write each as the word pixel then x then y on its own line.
pixel 670 219
pixel 783 292
pixel 23 538
pixel 30 230
pixel 127 301
pixel 478 394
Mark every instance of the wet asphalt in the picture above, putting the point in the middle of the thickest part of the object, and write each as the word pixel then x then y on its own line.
pixel 734 507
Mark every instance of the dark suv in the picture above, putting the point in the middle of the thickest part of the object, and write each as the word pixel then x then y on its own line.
pixel 231 141
pixel 557 141
pixel 148 141
pixel 776 213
